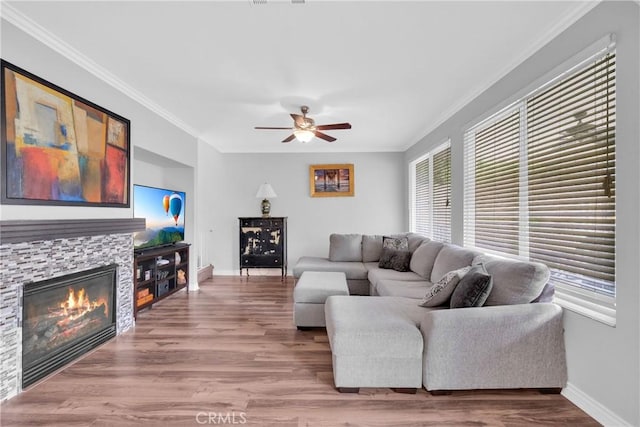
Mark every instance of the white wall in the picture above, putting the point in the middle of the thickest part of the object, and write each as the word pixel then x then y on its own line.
pixel 603 362
pixel 228 185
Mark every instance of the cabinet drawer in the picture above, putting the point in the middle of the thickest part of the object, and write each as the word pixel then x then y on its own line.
pixel 260 261
pixel 261 222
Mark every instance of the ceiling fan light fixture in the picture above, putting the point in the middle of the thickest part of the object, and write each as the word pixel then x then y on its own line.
pixel 303 135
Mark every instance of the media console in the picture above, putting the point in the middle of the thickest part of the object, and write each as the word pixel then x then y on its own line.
pixel 159 273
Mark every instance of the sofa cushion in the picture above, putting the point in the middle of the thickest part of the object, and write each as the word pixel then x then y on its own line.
pixel 516 282
pixel 451 257
pixel 345 247
pixel 371 248
pixel 415 240
pixel 424 257
pixel 314 286
pixel 395 259
pixel 377 274
pixel 390 332
pixel 547 293
pixel 402 288
pixel 353 270
pixel 473 289
pixel 441 291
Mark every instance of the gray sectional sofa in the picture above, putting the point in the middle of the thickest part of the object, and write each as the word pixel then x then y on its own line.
pixel 381 336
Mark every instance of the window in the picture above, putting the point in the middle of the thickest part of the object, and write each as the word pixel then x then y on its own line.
pixel 540 181
pixel 431 194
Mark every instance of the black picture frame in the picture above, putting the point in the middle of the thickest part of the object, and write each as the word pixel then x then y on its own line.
pixel 59 148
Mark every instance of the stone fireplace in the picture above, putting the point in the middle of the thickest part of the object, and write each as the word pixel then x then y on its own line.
pixel 40 253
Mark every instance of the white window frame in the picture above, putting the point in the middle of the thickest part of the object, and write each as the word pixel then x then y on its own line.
pixel 412 187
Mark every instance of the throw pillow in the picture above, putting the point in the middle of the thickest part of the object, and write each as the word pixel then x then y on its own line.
pixel 397 243
pixel 473 289
pixel 441 291
pixel 396 260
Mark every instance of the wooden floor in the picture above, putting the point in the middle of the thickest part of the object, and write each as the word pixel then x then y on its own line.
pixel 229 354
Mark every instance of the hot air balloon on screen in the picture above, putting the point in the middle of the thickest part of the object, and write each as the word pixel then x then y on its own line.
pixel 165 203
pixel 175 206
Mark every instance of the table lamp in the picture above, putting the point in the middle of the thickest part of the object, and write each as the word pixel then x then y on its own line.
pixel 265 191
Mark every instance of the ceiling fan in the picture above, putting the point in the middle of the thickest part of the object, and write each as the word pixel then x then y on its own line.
pixel 305 128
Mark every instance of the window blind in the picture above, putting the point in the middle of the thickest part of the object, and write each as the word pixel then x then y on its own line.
pixel 497 188
pixel 571 175
pixel 422 205
pixel 540 178
pixel 441 197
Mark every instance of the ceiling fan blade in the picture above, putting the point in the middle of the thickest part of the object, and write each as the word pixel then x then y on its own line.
pixel 324 136
pixel 334 126
pixel 289 138
pixel 263 127
pixel 298 119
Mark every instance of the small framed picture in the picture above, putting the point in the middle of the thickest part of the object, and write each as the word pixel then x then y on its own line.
pixel 331 180
pixel 147 275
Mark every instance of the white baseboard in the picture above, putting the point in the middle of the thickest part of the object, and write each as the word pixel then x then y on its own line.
pixel 592 407
pixel 227 272
pixel 252 272
pixel 205 273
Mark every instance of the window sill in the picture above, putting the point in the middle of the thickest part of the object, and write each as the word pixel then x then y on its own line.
pixel 596 307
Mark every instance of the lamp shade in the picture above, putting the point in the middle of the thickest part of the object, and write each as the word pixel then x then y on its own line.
pixel 266 192
pixel 303 135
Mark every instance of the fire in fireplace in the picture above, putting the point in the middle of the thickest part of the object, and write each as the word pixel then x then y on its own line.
pixel 65 317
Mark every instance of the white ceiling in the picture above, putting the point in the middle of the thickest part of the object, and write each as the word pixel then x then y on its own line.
pixel 393 69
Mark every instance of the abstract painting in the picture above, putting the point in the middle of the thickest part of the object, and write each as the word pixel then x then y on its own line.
pixel 58 148
pixel 331 180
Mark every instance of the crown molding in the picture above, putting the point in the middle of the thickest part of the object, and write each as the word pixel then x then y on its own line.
pixel 35 30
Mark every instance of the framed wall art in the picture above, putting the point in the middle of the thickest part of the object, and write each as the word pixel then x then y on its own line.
pixel 331 180
pixel 58 148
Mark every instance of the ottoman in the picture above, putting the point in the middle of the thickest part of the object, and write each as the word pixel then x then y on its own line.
pixel 310 293
pixel 375 342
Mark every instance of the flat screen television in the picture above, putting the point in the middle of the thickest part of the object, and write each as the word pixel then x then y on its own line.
pixel 163 210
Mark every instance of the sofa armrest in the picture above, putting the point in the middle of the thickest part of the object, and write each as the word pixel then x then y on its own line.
pixel 509 346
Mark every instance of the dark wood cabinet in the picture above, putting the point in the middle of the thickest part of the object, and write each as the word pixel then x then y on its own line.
pixel 263 243
pixel 159 273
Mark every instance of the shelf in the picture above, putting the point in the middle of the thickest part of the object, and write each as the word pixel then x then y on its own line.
pixel 146 261
pixel 144 283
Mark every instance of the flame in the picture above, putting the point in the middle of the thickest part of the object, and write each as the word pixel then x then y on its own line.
pixel 78 304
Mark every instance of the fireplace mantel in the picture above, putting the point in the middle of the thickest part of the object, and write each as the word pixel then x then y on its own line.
pixel 17 231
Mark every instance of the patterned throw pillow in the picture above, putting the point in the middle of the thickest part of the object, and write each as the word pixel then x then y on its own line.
pixel 441 291
pixel 396 260
pixel 397 243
